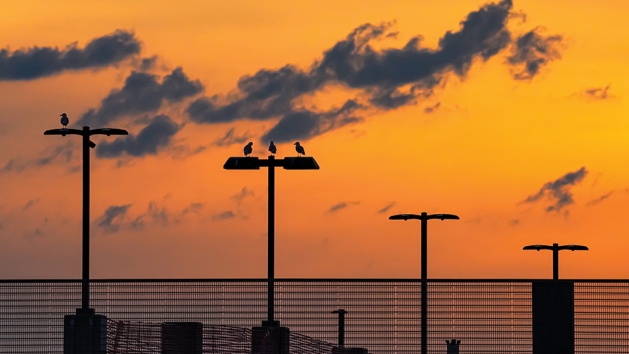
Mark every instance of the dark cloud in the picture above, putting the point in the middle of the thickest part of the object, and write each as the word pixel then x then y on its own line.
pixel 386 79
pixel 224 215
pixel 112 214
pixel 141 93
pixel 36 62
pixel 341 205
pixel 599 199
pixel 231 138
pixel 559 190
pixel 154 136
pixel 302 125
pixel 530 52
pixel 386 208
pixel 514 222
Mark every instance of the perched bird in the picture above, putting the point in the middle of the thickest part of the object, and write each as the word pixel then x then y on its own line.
pixel 248 149
pixel 300 149
pixel 64 120
pixel 272 148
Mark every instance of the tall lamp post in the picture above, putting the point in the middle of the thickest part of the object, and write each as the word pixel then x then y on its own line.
pixel 556 248
pixel 254 163
pixel 86 132
pixel 424 217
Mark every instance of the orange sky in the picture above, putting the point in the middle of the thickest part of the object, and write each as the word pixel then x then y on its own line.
pixel 480 144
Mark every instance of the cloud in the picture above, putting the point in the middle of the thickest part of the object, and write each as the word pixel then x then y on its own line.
pixel 532 51
pixel 304 124
pixel 141 93
pixel 559 190
pixel 154 136
pixel 599 93
pixel 432 108
pixel 386 208
pixel 36 62
pixel 30 203
pixel 58 154
pixel 224 215
pixel 341 205
pixel 514 222
pixel 193 208
pixel 599 199
pixel 231 138
pixel 244 193
pixel 112 214
pixel 385 79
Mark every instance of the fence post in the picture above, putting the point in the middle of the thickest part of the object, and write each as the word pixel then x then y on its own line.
pixel 553 317
pixel 453 346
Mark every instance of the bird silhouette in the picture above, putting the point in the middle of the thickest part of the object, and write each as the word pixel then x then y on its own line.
pixel 272 148
pixel 64 120
pixel 300 149
pixel 248 149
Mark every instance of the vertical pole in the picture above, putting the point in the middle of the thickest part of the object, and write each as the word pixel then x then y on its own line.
pixel 424 282
pixel 341 334
pixel 85 300
pixel 555 261
pixel 271 239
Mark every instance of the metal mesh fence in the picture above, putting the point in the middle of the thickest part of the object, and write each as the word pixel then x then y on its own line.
pixel 383 315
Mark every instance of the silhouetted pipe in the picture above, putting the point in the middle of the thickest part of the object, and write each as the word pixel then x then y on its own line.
pixel 85 279
pixel 271 242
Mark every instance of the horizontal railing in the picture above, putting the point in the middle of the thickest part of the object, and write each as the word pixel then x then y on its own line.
pixel 383 315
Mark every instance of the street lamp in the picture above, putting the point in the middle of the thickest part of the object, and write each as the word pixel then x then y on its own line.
pixel 254 163
pixel 556 248
pixel 424 217
pixel 86 132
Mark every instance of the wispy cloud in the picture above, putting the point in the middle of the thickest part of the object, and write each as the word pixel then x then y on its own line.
pixel 231 138
pixel 36 62
pixel 58 154
pixel 109 221
pixel 342 205
pixel 386 208
pixel 224 215
pixel 559 190
pixel 599 199
pixel 30 203
pixel 532 51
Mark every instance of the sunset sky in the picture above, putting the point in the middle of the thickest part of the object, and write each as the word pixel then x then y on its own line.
pixel 511 115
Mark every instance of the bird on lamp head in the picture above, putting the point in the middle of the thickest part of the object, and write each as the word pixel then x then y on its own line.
pixel 300 149
pixel 64 120
pixel 272 148
pixel 248 149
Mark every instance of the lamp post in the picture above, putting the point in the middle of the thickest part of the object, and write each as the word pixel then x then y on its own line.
pixel 556 248
pixel 254 163
pixel 424 217
pixel 86 132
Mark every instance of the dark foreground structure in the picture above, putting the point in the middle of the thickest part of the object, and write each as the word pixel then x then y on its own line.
pixel 383 315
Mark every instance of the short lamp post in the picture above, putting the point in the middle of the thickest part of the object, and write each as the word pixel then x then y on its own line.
pixel 553 307
pixel 424 217
pixel 556 248
pixel 85 332
pixel 254 163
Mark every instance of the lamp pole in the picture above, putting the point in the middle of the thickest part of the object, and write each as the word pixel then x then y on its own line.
pixel 556 248
pixel 86 132
pixel 424 217
pixel 254 163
